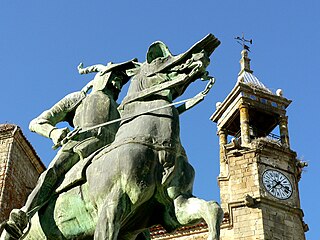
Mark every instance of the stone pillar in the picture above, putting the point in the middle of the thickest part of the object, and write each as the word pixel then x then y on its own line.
pixel 222 142
pixel 284 133
pixel 244 124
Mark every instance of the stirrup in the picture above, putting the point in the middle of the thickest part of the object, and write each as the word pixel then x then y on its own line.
pixel 16 224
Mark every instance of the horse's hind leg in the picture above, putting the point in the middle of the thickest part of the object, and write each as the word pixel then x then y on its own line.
pixel 191 210
pixel 107 228
pixel 145 235
pixel 109 221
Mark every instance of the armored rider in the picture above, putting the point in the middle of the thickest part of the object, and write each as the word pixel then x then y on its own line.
pixel 82 110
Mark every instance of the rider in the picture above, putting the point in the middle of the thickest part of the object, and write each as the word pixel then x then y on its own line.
pixel 81 110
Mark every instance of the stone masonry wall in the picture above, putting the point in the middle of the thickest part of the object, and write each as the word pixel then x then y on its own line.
pixel 251 213
pixel 240 180
pixel 20 168
pixel 281 224
pixel 4 150
pixel 247 225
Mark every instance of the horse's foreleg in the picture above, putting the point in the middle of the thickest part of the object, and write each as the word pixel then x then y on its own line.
pixel 190 210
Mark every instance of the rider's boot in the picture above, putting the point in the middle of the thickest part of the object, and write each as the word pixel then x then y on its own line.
pixel 17 222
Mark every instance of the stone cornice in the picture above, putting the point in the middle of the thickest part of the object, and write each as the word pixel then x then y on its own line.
pixel 15 132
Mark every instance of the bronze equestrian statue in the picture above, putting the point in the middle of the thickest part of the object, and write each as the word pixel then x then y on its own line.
pixel 143 177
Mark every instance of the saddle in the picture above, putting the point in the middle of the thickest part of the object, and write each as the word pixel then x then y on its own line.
pixel 77 174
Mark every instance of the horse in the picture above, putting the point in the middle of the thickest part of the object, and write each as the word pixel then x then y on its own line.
pixel 143 178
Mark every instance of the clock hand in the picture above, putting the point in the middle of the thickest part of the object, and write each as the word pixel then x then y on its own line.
pixel 285 187
pixel 278 183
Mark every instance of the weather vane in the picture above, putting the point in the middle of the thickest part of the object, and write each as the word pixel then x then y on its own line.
pixel 242 41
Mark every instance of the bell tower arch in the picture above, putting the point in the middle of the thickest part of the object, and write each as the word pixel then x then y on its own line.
pixel 259 173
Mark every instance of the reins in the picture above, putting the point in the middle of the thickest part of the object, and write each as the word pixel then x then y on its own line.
pixel 78 130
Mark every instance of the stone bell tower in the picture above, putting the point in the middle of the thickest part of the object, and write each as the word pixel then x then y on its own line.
pixel 259 173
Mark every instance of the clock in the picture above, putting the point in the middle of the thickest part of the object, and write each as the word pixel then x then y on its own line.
pixel 277 184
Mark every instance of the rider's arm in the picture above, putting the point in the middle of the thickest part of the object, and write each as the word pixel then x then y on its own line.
pixel 90 69
pixel 45 123
pixel 45 126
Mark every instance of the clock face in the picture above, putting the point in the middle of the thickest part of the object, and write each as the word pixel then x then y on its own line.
pixel 277 184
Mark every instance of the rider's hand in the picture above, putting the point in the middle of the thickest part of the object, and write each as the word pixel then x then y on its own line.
pixel 80 68
pixel 59 134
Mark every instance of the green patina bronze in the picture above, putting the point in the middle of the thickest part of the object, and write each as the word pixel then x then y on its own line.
pixel 117 180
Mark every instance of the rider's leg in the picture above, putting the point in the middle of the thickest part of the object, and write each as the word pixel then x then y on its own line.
pixel 46 184
pixel 48 180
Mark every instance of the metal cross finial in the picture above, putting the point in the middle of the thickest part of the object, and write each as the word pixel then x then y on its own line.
pixel 242 41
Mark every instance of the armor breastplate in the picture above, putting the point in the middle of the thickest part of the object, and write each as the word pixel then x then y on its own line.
pixel 97 108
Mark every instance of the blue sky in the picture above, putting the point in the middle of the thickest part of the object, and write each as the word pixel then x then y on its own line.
pixel 42 42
